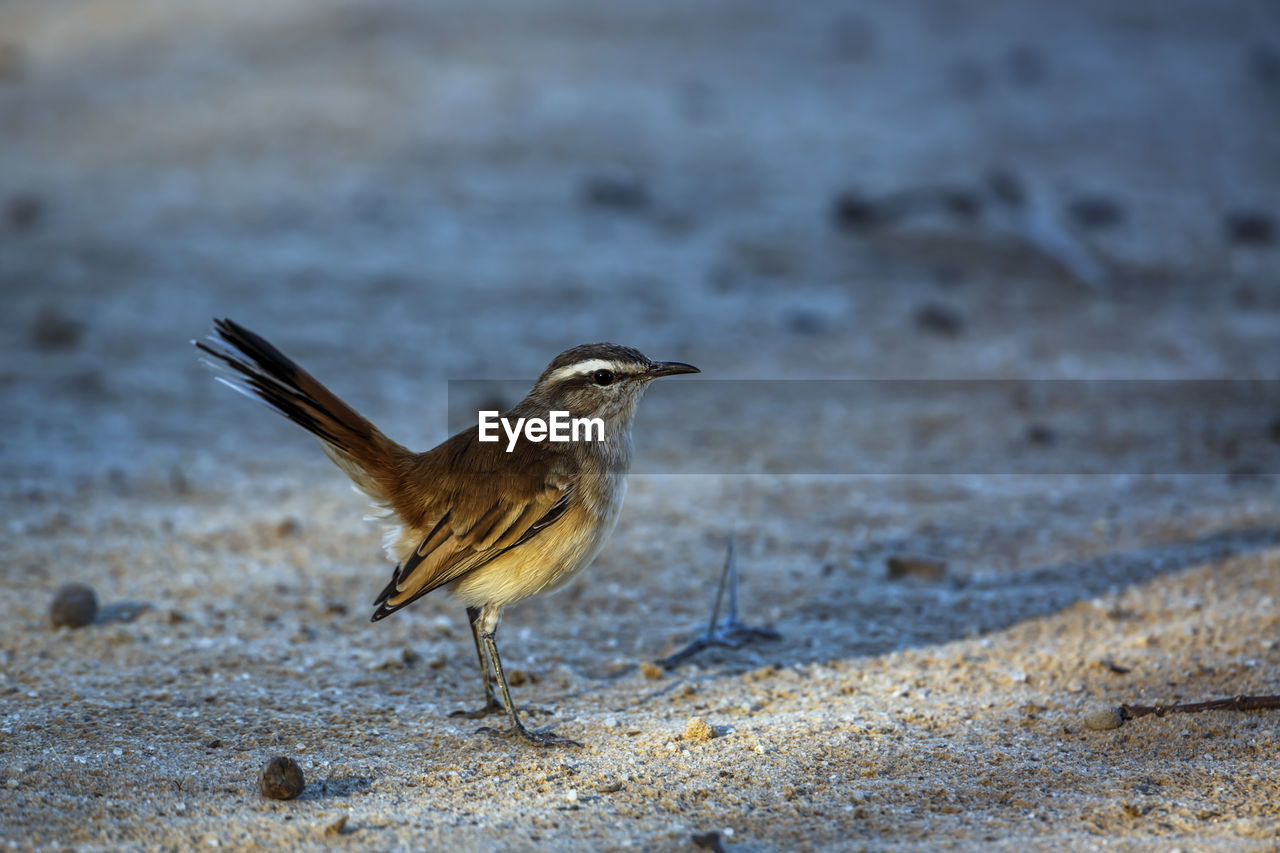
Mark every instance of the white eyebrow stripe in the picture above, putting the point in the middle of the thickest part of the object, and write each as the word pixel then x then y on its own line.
pixel 582 368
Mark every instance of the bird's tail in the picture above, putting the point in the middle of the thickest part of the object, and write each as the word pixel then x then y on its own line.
pixel 247 363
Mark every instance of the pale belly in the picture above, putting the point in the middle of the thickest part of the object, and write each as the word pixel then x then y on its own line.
pixel 547 561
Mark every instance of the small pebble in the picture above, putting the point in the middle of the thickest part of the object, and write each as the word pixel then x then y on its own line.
pixel 52 330
pixel 939 319
pixel 806 323
pixel 699 730
pixel 960 203
pixel 1250 228
pixel 651 670
pixel 1247 473
pixel 1104 720
pixel 24 212
pixel 288 527
pixel 1041 435
pixel 619 191
pixel 281 779
pixel 901 566
pixel 74 605
pixel 855 212
pixel 1095 211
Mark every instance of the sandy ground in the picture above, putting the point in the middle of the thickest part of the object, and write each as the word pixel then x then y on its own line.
pixel 404 194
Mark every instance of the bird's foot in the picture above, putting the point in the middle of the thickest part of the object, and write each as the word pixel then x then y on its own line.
pixel 730 634
pixel 537 738
pixel 736 631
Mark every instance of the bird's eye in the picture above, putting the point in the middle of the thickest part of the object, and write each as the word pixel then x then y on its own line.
pixel 602 377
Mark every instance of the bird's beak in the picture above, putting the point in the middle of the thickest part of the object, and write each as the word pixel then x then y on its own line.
pixel 671 368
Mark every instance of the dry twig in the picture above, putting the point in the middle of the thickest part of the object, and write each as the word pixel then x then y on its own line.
pixel 1235 703
pixel 1114 718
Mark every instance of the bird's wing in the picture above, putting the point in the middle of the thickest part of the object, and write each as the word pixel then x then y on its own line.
pixel 473 529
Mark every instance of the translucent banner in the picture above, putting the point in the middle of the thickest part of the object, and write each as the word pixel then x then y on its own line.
pixel 922 427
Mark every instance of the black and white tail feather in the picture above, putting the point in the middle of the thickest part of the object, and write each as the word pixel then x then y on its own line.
pixel 248 364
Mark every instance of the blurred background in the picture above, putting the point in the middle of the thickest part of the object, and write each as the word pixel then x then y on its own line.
pixel 399 194
pixel 409 198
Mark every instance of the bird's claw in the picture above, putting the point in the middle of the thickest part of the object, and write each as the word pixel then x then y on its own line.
pixel 537 738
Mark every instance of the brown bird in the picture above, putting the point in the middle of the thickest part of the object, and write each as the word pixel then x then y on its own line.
pixel 492 521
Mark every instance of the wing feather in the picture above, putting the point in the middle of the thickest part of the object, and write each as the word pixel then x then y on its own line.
pixel 462 541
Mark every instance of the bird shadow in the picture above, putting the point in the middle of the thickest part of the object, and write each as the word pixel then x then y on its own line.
pixel 334 787
pixel 121 611
pixel 827 626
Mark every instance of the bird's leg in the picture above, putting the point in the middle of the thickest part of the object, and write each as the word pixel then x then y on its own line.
pixel 718 633
pixel 731 629
pixel 491 703
pixel 517 727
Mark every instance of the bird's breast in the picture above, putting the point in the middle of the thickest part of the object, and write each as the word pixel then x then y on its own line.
pixel 555 555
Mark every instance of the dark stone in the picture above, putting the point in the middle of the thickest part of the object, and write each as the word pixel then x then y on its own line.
pixel 74 606
pixel 281 779
pixel 855 212
pixel 939 319
pixel 1251 228
pixel 962 203
pixel 900 566
pixel 1245 297
pixel 24 212
pixel 1248 473
pixel 619 192
pixel 53 330
pixel 1041 435
pixel 806 323
pixel 1095 211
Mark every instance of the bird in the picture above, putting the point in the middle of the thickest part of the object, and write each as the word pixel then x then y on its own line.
pixel 491 522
